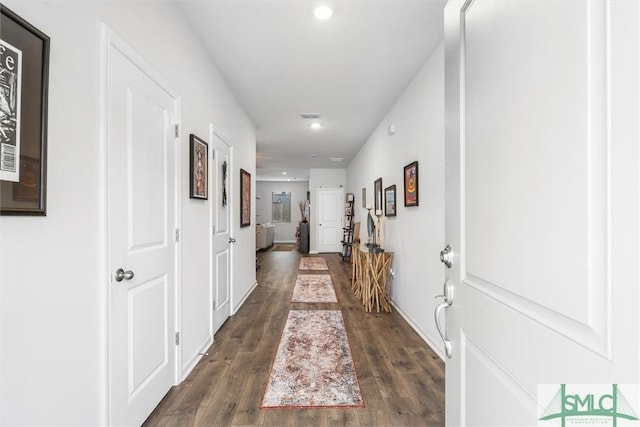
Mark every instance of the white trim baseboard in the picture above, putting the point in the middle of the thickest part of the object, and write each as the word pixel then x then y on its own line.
pixel 436 348
pixel 195 359
pixel 244 298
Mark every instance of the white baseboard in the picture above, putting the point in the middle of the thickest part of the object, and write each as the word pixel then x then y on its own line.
pixel 436 348
pixel 195 359
pixel 313 252
pixel 235 310
pixel 285 241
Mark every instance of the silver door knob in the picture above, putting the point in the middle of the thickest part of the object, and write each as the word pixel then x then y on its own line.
pixel 123 275
pixel 232 240
pixel 446 256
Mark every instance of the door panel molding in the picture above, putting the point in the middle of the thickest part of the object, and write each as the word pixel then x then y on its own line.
pixel 585 320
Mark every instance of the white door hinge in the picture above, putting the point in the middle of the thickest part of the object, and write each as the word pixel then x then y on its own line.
pixel 177 338
pixel 177 234
pixel 176 129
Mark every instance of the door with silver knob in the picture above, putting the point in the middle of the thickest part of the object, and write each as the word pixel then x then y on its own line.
pixel 121 275
pixel 139 131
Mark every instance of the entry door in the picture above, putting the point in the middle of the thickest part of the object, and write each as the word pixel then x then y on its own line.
pixel 542 203
pixel 221 219
pixel 141 174
pixel 330 214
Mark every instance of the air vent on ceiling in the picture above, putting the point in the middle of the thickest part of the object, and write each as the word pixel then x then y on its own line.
pixel 310 115
pixel 337 159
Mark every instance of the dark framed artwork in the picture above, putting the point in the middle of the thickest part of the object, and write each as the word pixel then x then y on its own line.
pixel 377 194
pixel 390 201
pixel 224 184
pixel 411 184
pixel 198 168
pixel 245 198
pixel 24 85
pixel 364 198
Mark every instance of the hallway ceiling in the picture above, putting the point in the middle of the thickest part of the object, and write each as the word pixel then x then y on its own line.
pixel 281 61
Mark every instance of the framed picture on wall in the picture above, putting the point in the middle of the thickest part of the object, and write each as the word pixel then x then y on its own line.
pixel 198 168
pixel 390 201
pixel 411 184
pixel 245 198
pixel 24 83
pixel 377 194
pixel 364 198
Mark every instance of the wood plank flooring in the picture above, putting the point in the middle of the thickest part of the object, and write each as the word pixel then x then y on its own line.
pixel 401 378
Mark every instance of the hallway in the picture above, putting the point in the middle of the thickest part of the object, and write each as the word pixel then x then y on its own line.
pixel 401 378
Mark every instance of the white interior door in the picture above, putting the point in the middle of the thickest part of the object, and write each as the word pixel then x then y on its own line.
pixel 141 177
pixel 330 219
pixel 221 220
pixel 542 203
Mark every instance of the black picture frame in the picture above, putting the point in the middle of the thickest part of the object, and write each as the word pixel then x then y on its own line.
pixel 411 184
pixel 245 198
pixel 198 168
pixel 377 194
pixel 390 201
pixel 27 196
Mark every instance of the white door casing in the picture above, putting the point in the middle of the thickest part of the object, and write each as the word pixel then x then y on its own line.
pixel 221 249
pixel 142 193
pixel 542 190
pixel 330 219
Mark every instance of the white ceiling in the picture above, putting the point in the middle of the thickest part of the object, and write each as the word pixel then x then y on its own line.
pixel 281 61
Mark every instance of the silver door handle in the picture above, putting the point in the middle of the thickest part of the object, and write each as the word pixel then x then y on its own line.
pixel 123 275
pixel 446 256
pixel 447 344
pixel 448 302
pixel 232 240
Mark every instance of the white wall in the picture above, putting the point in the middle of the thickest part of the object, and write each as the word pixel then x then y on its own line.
pixel 285 231
pixel 52 286
pixel 321 178
pixel 416 234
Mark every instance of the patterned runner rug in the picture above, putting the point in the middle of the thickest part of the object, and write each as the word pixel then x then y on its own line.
pixel 314 288
pixel 313 263
pixel 313 366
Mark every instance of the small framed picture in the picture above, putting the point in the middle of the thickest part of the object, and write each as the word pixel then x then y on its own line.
pixel 245 198
pixel 390 201
pixel 377 194
pixel 411 184
pixel 198 167
pixel 364 198
pixel 350 197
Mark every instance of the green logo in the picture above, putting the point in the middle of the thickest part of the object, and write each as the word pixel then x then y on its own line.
pixel 587 408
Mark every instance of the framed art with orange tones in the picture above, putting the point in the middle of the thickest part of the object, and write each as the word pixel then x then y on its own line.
pixel 411 184
pixel 245 198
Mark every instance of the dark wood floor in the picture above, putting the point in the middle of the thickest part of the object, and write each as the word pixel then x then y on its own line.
pixel 402 379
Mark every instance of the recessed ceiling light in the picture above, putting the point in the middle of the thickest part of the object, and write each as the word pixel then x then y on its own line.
pixel 315 125
pixel 284 173
pixel 323 12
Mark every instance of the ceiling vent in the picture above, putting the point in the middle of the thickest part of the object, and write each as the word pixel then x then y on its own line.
pixel 337 159
pixel 310 115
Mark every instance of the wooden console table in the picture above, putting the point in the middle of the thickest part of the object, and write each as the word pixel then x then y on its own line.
pixel 371 278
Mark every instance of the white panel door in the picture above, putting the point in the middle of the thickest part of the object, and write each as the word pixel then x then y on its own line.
pixel 330 215
pixel 542 202
pixel 141 178
pixel 221 220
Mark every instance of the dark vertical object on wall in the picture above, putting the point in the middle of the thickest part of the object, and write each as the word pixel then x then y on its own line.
pixel 304 237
